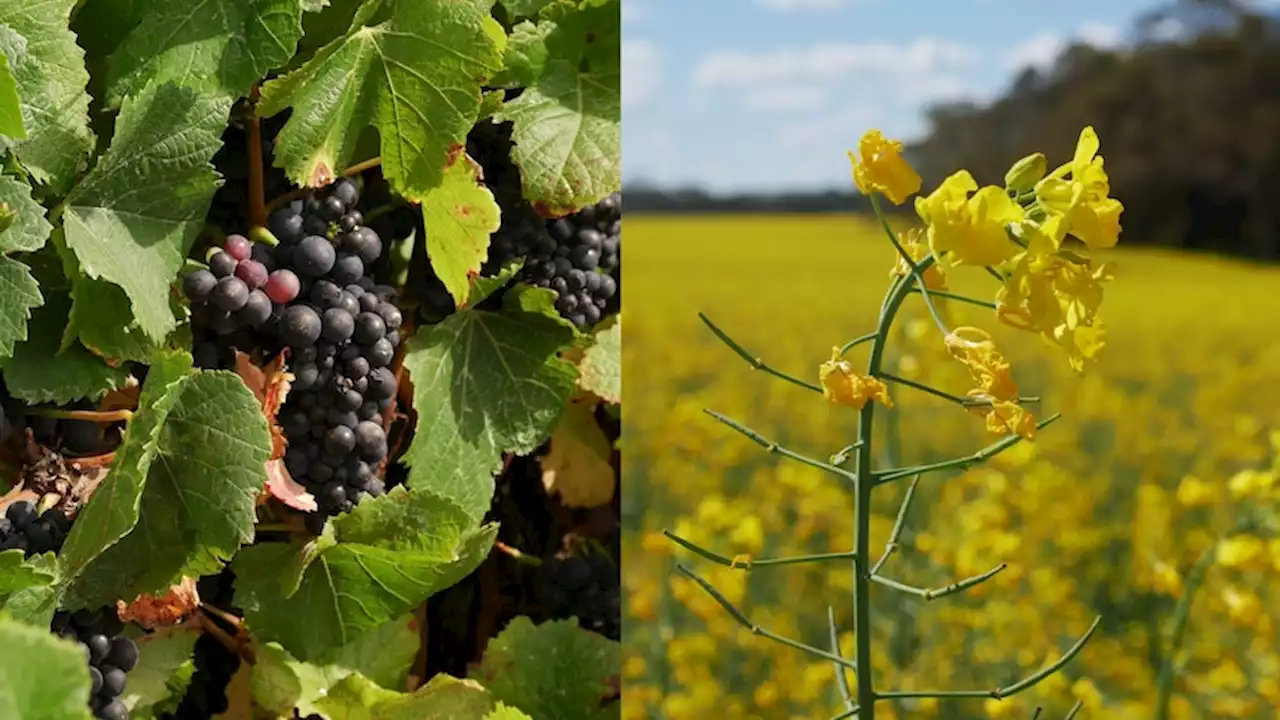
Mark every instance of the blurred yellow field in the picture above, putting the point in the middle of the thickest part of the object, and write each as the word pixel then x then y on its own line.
pixel 1164 449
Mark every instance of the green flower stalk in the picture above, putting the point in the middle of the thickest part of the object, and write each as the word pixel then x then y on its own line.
pixel 1020 246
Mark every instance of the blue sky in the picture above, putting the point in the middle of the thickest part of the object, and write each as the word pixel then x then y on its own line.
pixel 750 95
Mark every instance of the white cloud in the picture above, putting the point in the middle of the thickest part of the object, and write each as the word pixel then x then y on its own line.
pixel 934 89
pixel 824 63
pixel 641 71
pixel 634 11
pixel 787 98
pixel 845 126
pixel 802 5
pixel 1041 50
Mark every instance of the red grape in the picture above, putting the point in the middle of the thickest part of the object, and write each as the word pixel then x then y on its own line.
pixel 253 273
pixel 282 286
pixel 238 246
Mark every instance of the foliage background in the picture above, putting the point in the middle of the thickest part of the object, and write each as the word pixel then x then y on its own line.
pixel 1163 448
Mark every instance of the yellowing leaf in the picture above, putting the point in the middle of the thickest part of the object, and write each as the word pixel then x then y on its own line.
pixel 577 464
pixel 459 216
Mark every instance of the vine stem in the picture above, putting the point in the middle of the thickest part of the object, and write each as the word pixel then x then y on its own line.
pixel 295 194
pixel 257 194
pixel 517 554
pixel 98 416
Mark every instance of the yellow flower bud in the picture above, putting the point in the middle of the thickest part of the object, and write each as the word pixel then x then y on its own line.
pixel 1025 173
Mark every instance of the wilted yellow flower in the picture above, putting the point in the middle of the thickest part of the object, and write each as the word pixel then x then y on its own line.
pixel 1091 215
pixel 842 386
pixel 971 230
pixel 1240 551
pixel 1194 492
pixel 881 168
pixel 911 240
pixel 996 388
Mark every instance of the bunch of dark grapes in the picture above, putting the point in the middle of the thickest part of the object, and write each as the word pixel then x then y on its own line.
pixel 22 528
pixel 585 587
pixel 109 655
pixel 576 256
pixel 314 295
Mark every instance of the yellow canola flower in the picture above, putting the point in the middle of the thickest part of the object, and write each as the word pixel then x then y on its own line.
pixel 1194 492
pixel 1091 215
pixel 1241 551
pixel 842 386
pixel 1166 580
pixel 881 168
pixel 1251 484
pixel 972 230
pixel 992 373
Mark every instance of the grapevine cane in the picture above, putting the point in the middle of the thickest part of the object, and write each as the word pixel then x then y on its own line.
pixel 860 701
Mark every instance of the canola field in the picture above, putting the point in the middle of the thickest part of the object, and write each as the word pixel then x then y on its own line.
pixel 1152 502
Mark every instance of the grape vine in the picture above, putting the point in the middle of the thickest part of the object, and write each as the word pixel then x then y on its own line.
pixel 289 304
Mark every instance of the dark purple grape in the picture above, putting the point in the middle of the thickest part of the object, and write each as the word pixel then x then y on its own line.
pixel 222 264
pixel 356 368
pixel 256 309
pixel 325 294
pixel 286 224
pixel 314 256
pixel 346 192
pixel 230 294
pixel 369 328
pixel 198 285
pixel 253 273
pixel 337 325
pixel 390 315
pixel 300 326
pixel 339 440
pixel 331 208
pixel 347 269
pixel 381 353
pixel 382 384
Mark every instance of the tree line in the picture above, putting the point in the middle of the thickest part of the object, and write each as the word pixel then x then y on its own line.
pixel 1189 116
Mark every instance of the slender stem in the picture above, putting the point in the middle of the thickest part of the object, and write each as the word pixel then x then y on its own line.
pixel 98 416
pixel 742 620
pixel 994 273
pixel 842 457
pixel 257 197
pixel 925 388
pixel 1000 692
pixel 856 342
pixel 517 554
pixel 936 593
pixel 773 447
pixel 1181 614
pixel 965 462
pixel 891 545
pixel 745 563
pixel 960 298
pixel 846 693
pixel 848 713
pixel 1075 710
pixel 916 270
pixel 755 362
pixel 292 195
pixel 864 485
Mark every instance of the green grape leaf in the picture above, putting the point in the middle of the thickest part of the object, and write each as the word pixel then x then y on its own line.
pixel 219 47
pixel 112 510
pixel 483 286
pixel 567 123
pixel 48 68
pixel 391 553
pixel 39 370
pixel 443 698
pixel 416 76
pixel 490 104
pixel 519 9
pixel 197 506
pixel 133 219
pixel 601 366
pixel 34 591
pixel 42 676
pixel 161 656
pixel 10 104
pixel 459 216
pixel 19 296
pixel 506 712
pixel 484 383
pixel 17 574
pixel 102 320
pixel 282 683
pixel 551 671
pixel 29 230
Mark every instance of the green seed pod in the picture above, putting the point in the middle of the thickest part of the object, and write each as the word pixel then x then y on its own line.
pixel 1026 173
